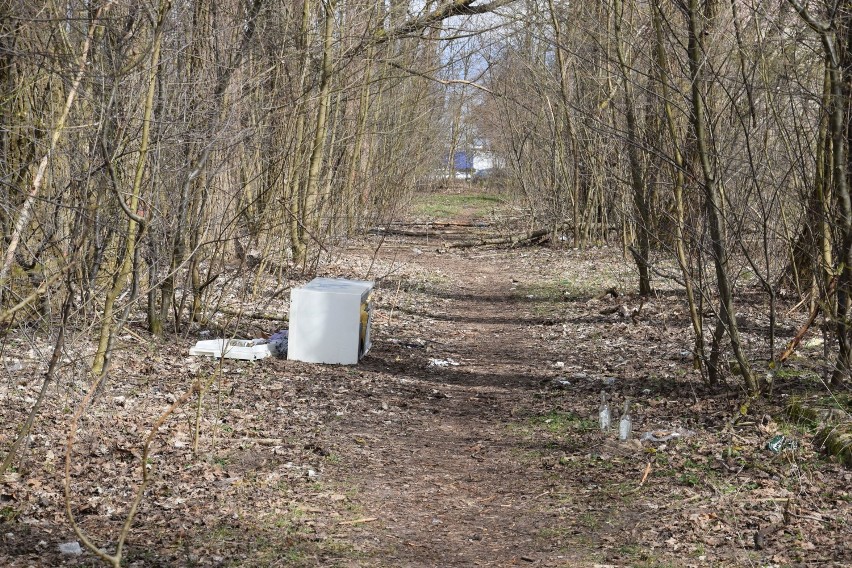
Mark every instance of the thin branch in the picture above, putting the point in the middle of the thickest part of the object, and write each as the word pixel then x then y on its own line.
pixel 445 82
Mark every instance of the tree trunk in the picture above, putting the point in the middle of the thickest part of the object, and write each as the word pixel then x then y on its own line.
pixel 637 175
pixel 679 183
pixel 312 188
pixel 712 197
pixel 839 75
pixel 131 209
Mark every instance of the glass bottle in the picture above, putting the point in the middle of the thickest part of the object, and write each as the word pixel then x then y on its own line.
pixel 625 426
pixel 604 414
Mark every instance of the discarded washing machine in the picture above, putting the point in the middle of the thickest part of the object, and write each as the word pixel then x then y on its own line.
pixel 330 321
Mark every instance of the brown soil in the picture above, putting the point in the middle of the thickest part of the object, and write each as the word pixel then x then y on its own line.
pixel 466 437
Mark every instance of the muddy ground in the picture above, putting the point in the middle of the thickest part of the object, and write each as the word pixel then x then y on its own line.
pixel 467 436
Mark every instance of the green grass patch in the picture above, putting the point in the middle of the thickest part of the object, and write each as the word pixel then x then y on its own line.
pixel 794 373
pixel 567 289
pixel 554 291
pixel 449 206
pixel 557 422
pixel 642 557
pixel 8 514
pixel 274 539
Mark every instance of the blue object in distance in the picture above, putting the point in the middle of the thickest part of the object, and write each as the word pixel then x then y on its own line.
pixel 462 161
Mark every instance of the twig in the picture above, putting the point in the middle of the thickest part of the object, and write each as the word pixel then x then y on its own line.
pixel 531 237
pixel 393 305
pixel 807 325
pixel 645 474
pixel 359 521
pixel 257 316
pixel 659 272
pixel 48 380
pixel 136 336
pixel 146 475
pixel 263 441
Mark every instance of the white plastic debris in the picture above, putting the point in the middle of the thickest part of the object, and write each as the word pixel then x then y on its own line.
pixel 443 362
pixel 246 349
pixel 665 435
pixel 72 547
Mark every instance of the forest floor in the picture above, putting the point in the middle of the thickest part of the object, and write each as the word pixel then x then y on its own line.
pixel 467 436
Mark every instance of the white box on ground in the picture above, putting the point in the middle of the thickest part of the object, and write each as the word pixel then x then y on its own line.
pixel 330 321
pixel 246 349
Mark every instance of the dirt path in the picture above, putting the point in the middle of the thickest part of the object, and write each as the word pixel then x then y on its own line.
pixel 438 465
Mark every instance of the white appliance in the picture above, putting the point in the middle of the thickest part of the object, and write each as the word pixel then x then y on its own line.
pixel 330 321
